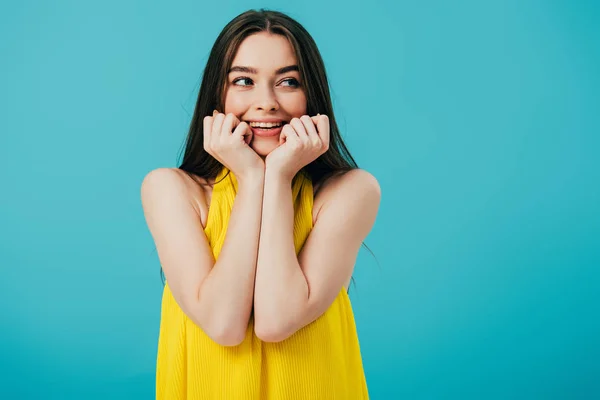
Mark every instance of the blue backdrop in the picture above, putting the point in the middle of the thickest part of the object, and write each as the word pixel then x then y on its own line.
pixel 480 120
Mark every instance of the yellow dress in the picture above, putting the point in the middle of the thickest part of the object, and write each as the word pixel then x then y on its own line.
pixel 320 361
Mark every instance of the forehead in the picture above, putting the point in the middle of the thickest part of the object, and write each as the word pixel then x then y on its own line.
pixel 265 52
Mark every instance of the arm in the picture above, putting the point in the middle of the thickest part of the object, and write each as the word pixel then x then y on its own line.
pixel 292 291
pixel 215 296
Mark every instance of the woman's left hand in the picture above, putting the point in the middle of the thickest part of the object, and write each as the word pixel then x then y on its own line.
pixel 301 142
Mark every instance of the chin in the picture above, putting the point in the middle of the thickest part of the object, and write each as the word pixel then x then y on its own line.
pixel 263 146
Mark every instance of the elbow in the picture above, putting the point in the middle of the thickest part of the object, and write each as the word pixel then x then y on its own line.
pixel 271 333
pixel 222 333
pixel 228 337
pixel 275 326
pixel 228 340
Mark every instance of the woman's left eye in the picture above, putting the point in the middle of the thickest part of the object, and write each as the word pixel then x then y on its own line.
pixel 293 82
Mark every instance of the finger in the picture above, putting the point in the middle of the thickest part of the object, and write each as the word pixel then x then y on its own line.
pixel 311 130
pixel 228 124
pixel 288 134
pixel 315 119
pixel 216 128
pixel 300 130
pixel 323 129
pixel 243 130
pixel 207 128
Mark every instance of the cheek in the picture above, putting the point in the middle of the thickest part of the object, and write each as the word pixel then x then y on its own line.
pixel 295 105
pixel 235 103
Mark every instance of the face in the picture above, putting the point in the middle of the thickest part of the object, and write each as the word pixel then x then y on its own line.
pixel 264 85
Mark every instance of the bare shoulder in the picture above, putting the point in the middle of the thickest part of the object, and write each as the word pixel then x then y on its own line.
pixel 173 182
pixel 164 180
pixel 357 178
pixel 345 187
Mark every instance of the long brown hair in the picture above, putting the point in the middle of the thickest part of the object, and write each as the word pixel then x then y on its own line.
pixel 196 161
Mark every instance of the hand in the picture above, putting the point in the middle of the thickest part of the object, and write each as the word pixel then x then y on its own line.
pixel 231 148
pixel 301 142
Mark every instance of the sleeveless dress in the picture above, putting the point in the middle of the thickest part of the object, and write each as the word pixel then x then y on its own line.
pixel 320 361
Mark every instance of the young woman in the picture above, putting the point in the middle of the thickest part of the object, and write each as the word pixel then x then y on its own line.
pixel 258 230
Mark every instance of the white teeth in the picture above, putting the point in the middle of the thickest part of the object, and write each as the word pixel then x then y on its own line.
pixel 265 124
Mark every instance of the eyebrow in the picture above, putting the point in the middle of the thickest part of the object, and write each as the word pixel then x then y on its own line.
pixel 250 70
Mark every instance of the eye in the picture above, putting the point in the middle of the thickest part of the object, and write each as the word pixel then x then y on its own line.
pixel 241 79
pixel 293 82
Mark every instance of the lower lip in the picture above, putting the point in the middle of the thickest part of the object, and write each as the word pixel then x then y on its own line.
pixel 266 132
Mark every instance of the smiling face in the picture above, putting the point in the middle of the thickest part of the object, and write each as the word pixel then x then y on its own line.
pixel 264 85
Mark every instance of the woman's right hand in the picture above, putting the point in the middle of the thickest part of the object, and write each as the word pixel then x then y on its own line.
pixel 231 146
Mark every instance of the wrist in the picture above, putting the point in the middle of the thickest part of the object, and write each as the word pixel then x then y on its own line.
pixel 279 175
pixel 251 176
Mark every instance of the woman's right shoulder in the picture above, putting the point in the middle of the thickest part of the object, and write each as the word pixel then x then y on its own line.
pixel 172 176
pixel 177 185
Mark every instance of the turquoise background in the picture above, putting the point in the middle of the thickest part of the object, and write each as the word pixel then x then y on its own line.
pixel 480 120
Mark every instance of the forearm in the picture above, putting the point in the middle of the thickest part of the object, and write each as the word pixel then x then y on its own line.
pixel 226 294
pixel 281 290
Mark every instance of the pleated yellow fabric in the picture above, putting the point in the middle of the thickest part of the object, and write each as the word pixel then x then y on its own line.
pixel 320 361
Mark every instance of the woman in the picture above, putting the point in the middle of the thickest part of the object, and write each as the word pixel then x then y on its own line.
pixel 259 228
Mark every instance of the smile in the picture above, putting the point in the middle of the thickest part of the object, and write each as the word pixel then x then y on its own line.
pixel 267 131
pixel 265 125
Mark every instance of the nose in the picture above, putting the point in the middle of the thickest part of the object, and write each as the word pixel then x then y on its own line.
pixel 266 99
